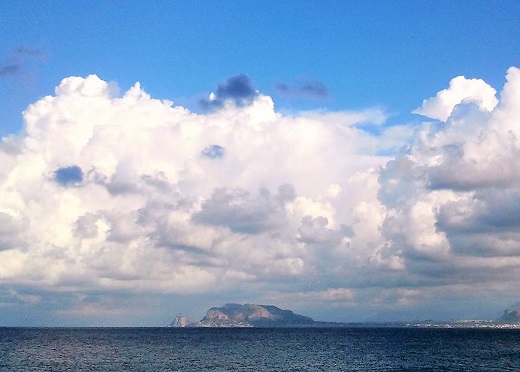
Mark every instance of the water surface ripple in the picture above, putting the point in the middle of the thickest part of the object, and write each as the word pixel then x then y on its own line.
pixel 202 349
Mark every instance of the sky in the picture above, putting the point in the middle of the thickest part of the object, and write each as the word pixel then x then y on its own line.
pixel 350 161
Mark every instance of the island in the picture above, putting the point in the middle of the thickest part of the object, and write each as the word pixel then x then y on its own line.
pixel 250 315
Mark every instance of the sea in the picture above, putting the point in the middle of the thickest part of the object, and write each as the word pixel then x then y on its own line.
pixel 259 349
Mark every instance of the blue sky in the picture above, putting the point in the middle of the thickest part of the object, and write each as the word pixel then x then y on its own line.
pixel 288 170
pixel 389 54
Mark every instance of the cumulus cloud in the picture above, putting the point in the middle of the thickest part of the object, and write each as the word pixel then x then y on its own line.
pixel 240 212
pixel 133 194
pixel 316 230
pixel 452 198
pixel 11 231
pixel 129 192
pixel 460 90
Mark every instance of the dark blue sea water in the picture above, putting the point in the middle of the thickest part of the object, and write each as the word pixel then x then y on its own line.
pixel 201 349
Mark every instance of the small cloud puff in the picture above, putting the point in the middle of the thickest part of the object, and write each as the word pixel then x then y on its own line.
pixel 238 89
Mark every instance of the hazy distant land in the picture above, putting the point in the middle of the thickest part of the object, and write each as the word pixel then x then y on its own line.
pixel 265 316
pixel 251 315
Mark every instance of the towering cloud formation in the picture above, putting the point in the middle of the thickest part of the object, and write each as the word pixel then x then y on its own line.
pixel 132 193
pixel 451 203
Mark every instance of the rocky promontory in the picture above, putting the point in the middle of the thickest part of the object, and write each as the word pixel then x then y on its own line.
pixel 249 315
pixel 511 315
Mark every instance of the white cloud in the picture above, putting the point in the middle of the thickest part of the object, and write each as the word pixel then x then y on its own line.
pixel 119 192
pixel 460 90
pixel 374 116
pixel 134 194
pixel 453 196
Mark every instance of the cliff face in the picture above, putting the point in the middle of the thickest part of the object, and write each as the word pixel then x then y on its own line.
pixel 248 315
pixel 180 321
pixel 251 315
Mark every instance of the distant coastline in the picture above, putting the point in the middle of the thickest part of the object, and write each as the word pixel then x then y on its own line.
pixel 269 316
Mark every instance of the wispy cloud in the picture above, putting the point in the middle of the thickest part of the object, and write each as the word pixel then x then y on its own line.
pixel 16 62
pixel 10 69
pixel 309 89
